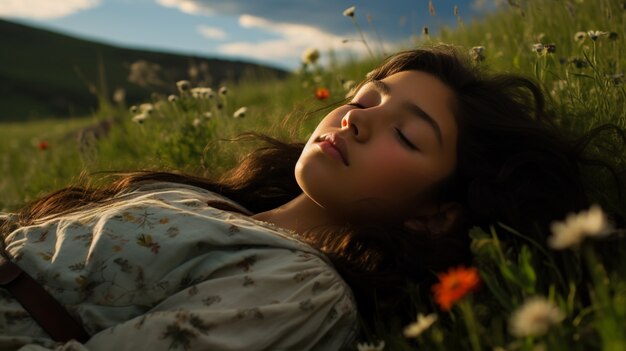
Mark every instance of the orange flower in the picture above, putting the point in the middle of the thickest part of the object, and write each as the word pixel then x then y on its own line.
pixel 42 145
pixel 321 93
pixel 454 285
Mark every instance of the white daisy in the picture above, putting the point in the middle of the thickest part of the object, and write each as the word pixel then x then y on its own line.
pixel 422 323
pixel 534 317
pixel 241 112
pixel 349 12
pixel 366 346
pixel 572 231
pixel 310 56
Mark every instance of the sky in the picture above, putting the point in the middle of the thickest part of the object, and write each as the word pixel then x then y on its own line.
pixel 271 32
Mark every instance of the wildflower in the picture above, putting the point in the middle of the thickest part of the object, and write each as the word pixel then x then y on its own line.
pixel 550 48
pixel 594 34
pixel 223 91
pixel 576 227
pixel 172 98
pixel 580 36
pixel 183 86
pixel 43 145
pixel 416 328
pixel 208 115
pixel 240 113
pixel 366 346
pixel 196 122
pixel 134 109
pixel 477 53
pixel 454 285
pixel 196 92
pixel 456 11
pixel 310 56
pixel 140 118
pixel 318 79
pixel 321 93
pixel 534 317
pixel 202 93
pixel 538 48
pixel 349 12
pixel 146 108
pixel 348 85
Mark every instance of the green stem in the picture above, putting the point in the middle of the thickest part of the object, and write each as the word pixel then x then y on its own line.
pixel 356 24
pixel 470 323
pixel 541 249
pixel 594 53
pixel 607 322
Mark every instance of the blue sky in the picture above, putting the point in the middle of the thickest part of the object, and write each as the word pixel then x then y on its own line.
pixel 273 32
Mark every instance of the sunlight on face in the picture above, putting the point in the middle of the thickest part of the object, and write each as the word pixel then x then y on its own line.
pixel 378 156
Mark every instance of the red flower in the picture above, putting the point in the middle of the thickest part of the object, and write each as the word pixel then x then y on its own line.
pixel 321 93
pixel 454 285
pixel 42 145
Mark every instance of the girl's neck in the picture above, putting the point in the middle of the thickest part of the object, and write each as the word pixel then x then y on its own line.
pixel 299 215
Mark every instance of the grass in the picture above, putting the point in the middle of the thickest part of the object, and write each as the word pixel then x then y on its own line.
pixel 583 79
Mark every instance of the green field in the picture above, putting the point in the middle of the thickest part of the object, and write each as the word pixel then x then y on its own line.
pixel 583 79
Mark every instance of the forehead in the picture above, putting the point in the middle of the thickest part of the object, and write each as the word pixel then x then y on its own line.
pixel 419 85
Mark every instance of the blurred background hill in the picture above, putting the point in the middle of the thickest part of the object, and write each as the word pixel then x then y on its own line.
pixel 45 74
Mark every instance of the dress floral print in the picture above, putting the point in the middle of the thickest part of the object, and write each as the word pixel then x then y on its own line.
pixel 160 269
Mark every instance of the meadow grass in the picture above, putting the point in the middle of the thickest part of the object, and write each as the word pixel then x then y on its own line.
pixel 583 78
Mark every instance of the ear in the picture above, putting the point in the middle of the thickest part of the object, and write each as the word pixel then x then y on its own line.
pixel 442 220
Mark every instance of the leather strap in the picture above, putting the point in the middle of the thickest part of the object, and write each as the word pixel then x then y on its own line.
pixel 43 308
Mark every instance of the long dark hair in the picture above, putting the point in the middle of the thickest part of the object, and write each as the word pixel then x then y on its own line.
pixel 514 166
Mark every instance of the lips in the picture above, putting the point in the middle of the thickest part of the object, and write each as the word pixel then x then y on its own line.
pixel 338 143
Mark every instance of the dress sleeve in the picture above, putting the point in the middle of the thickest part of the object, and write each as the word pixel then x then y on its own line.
pixel 268 299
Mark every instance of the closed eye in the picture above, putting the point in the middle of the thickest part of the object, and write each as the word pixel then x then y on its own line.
pixel 399 133
pixel 355 104
pixel 405 140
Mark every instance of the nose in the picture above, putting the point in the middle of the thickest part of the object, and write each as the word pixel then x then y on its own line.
pixel 356 124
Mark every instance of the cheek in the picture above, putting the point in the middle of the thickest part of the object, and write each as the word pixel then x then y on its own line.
pixel 391 172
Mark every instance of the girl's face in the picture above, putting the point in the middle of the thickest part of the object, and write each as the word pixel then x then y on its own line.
pixel 377 157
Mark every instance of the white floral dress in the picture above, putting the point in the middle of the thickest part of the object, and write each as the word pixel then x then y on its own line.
pixel 160 269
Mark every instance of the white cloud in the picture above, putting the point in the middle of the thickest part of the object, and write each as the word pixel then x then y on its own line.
pixel 44 9
pixel 190 7
pixel 211 32
pixel 293 40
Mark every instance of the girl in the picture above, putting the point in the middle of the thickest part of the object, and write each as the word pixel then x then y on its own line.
pixel 281 252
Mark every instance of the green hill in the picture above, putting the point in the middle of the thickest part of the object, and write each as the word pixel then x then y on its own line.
pixel 46 74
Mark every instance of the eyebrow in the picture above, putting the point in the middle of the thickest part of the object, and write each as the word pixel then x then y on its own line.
pixel 417 111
